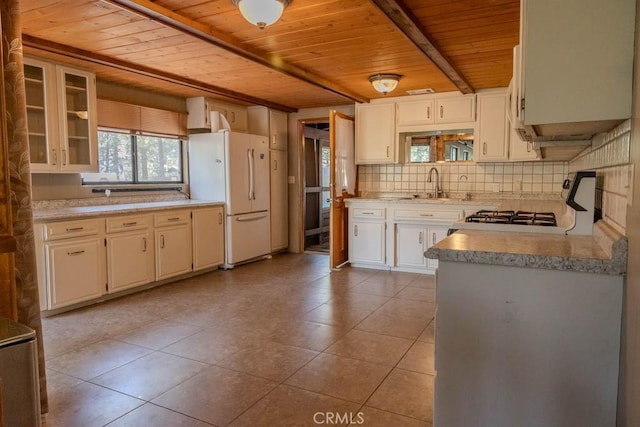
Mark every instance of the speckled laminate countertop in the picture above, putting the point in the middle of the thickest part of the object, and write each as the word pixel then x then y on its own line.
pixel 604 253
pixel 85 212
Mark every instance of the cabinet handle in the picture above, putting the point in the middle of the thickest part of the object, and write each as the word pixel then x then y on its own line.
pixel 207 115
pixel 528 147
pixel 173 219
pixel 433 238
pixel 442 111
pixel 129 224
pixel 387 151
pixel 429 112
pixel 274 140
pixel 220 218
pixel 275 165
pixel 484 148
pixel 233 117
pixel 426 214
pixel 75 229
pixel 75 253
pixel 355 230
pixel 54 154
pixel 367 213
pixel 144 244
pixel 420 237
pixel 162 241
pixel 64 158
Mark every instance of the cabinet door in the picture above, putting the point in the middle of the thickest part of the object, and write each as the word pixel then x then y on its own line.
pixel 415 112
pixel 492 129
pixel 458 109
pixel 75 271
pixel 42 117
pixel 208 237
pixel 367 242
pixel 173 251
pixel 237 117
pixel 279 205
pixel 199 115
pixel 130 260
pixel 278 127
pixel 410 245
pixel 375 133
pixel 435 234
pixel 78 132
pixel 520 150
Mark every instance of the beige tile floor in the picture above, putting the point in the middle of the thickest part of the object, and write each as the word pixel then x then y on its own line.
pixel 281 342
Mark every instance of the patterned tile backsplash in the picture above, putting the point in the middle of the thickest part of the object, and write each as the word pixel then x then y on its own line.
pixel 610 157
pixel 512 177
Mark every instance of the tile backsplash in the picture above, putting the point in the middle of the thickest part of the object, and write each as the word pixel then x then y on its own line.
pixel 511 177
pixel 610 157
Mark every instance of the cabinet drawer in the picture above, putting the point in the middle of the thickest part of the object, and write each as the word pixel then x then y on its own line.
pixel 69 229
pixel 427 215
pixel 127 223
pixel 172 218
pixel 369 213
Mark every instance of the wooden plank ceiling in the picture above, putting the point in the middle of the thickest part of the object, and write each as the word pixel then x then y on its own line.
pixel 320 53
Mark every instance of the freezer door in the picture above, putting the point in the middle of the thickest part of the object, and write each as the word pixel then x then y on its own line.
pixel 261 171
pixel 239 148
pixel 248 236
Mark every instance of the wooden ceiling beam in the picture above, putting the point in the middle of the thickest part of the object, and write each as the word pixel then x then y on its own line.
pixel 72 52
pixel 410 26
pixel 167 17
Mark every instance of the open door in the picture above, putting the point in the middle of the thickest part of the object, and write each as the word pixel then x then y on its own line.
pixel 342 184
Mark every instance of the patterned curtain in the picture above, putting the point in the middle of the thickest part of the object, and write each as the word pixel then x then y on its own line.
pixel 20 179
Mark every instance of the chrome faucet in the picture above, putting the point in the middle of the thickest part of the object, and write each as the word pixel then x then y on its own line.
pixel 438 193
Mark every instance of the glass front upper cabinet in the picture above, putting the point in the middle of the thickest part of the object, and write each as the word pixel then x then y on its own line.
pixel 61 118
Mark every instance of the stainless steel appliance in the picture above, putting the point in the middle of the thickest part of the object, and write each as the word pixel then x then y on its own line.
pixel 19 375
pixel 578 218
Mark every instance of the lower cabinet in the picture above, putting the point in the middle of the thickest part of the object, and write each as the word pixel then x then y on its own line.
pixel 82 260
pixel 173 243
pixel 130 255
pixel 208 237
pixel 75 270
pixel 412 240
pixel 367 236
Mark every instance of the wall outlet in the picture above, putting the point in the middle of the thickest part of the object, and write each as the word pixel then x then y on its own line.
pixel 496 187
pixel 292 179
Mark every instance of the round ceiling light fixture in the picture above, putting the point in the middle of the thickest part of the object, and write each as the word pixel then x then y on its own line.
pixel 261 13
pixel 385 83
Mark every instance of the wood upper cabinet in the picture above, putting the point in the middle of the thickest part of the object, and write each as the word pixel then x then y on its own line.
pixel 200 108
pixel 61 115
pixel 577 77
pixel 493 137
pixel 432 109
pixel 376 138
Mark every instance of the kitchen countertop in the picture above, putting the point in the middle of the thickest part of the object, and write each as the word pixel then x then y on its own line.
pixel 84 212
pixel 604 253
pixel 422 201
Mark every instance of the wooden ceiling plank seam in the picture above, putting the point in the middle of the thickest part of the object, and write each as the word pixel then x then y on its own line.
pixel 409 25
pixel 72 52
pixel 206 33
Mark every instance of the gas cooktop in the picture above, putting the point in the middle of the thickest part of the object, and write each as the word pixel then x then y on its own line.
pixel 545 219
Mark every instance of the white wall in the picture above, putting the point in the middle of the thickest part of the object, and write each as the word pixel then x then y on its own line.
pixel 295 148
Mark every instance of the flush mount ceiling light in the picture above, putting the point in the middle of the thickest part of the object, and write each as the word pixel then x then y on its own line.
pixel 261 12
pixel 384 83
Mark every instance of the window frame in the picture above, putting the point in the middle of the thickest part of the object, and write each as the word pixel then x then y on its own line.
pixel 136 183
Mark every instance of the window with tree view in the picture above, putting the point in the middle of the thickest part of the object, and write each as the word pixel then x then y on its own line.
pixel 131 158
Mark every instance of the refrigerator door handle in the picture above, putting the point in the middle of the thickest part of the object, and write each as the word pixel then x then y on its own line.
pixel 253 174
pixel 254 217
pixel 250 163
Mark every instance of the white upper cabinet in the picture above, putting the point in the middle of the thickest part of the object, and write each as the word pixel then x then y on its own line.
pixel 268 122
pixel 61 114
pixel 493 128
pixel 200 108
pixel 434 109
pixel 576 64
pixel 376 140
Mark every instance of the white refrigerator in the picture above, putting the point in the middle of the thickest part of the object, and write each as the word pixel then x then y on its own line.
pixel 234 167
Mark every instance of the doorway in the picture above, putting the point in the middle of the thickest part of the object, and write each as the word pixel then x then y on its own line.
pixel 316 173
